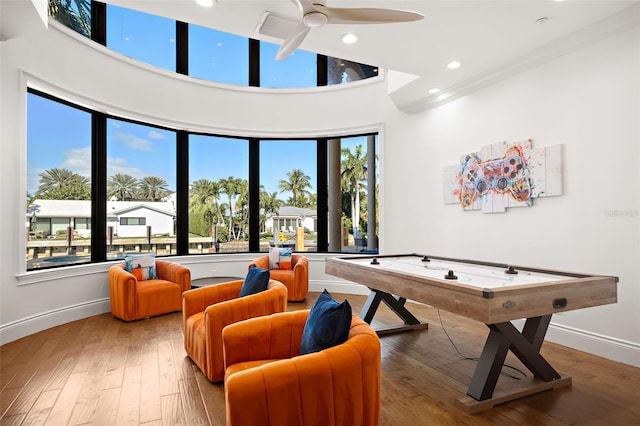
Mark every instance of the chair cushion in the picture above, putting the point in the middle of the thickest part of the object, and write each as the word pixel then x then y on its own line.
pixel 280 258
pixel 327 325
pixel 257 280
pixel 142 266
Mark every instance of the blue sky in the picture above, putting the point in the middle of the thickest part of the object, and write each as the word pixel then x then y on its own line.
pixel 60 136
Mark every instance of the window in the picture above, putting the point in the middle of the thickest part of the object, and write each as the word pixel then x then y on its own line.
pixel 296 71
pixel 58 182
pixel 218 56
pixel 133 221
pixel 141 36
pixel 288 199
pixel 341 71
pixel 141 182
pixel 75 14
pixel 359 221
pixel 218 194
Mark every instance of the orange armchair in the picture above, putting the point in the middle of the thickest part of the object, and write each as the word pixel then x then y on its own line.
pixel 267 382
pixel 207 310
pixel 132 299
pixel 296 280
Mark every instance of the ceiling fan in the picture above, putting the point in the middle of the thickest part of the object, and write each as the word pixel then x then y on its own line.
pixel 316 14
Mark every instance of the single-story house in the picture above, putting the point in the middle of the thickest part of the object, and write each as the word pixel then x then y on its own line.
pixel 128 218
pixel 289 218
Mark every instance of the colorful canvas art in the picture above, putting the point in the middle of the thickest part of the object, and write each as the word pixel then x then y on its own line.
pixel 504 175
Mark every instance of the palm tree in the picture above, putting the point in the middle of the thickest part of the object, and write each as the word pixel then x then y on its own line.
pixel 153 188
pixel 242 207
pixel 269 202
pixel 297 184
pixel 230 186
pixel 353 173
pixel 204 192
pixel 57 179
pixel 78 18
pixel 122 186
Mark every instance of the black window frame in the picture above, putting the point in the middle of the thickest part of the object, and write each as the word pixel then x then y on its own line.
pixel 98 218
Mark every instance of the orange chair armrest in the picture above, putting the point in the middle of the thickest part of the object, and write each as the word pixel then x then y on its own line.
pixel 261 262
pixel 300 264
pixel 197 299
pixel 275 336
pixel 174 272
pixel 122 292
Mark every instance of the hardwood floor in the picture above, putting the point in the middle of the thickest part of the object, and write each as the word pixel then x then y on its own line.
pixel 102 371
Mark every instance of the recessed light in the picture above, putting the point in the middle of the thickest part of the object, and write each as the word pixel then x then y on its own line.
pixel 205 3
pixel 542 20
pixel 434 90
pixel 453 65
pixel 349 38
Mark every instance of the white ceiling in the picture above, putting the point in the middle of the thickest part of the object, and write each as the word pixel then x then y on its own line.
pixel 490 38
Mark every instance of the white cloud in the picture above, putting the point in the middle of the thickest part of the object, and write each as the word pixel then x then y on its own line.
pixel 155 135
pixel 78 161
pixel 134 142
pixel 121 166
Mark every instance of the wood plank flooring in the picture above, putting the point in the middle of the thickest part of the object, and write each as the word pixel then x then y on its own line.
pixel 102 371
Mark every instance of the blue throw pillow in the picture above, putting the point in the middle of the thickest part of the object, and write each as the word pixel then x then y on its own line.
pixel 328 324
pixel 257 280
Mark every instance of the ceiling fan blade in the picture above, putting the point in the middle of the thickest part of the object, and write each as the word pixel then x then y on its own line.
pixel 338 15
pixel 292 42
pixel 305 6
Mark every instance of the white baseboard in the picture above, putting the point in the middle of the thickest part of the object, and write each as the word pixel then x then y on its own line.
pixel 25 326
pixel 337 287
pixel 604 346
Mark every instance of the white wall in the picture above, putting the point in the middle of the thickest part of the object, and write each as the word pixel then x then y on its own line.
pixel 588 101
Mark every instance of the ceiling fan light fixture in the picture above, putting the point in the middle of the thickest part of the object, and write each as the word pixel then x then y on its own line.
pixel 205 3
pixel 349 38
pixel 315 19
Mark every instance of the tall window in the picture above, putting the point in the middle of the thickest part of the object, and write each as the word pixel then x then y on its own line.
pixel 296 71
pixel 141 182
pixel 218 56
pixel 148 38
pixel 58 216
pixel 288 196
pixel 359 221
pixel 218 194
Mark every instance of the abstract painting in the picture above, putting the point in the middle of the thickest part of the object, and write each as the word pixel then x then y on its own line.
pixel 503 175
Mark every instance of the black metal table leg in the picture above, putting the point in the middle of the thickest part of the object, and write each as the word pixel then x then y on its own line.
pixel 397 305
pixel 526 346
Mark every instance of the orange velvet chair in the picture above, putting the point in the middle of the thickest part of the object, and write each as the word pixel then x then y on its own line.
pixel 207 310
pixel 296 279
pixel 133 300
pixel 267 382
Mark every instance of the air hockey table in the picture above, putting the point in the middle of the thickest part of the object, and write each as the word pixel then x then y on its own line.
pixel 493 293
